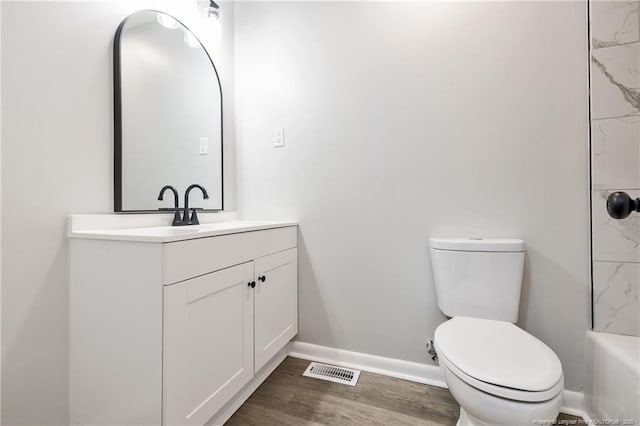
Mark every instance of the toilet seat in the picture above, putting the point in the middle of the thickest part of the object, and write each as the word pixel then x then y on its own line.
pixel 501 391
pixel 499 358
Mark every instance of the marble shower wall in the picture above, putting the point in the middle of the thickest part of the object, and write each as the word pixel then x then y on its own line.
pixel 615 162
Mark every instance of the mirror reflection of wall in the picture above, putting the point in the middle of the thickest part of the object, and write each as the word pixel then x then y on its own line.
pixel 171 118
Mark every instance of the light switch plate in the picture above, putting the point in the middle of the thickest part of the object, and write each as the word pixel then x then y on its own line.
pixel 278 137
pixel 204 145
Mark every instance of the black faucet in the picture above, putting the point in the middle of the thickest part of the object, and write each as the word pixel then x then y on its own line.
pixel 193 220
pixel 184 219
pixel 176 208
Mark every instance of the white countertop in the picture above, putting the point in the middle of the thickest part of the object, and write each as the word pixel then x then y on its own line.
pixel 166 234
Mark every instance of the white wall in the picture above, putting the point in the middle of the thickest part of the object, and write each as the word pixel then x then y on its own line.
pixel 57 136
pixel 410 120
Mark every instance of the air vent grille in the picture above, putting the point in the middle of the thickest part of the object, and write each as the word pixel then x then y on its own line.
pixel 331 373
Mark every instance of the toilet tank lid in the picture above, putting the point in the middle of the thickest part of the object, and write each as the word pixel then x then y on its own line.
pixel 478 244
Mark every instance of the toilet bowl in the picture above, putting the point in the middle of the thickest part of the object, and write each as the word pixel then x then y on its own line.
pixel 498 373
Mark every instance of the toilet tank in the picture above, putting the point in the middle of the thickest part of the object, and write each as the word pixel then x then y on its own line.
pixel 479 278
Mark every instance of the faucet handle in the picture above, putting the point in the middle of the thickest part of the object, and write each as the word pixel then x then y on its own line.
pixel 176 216
pixel 194 216
pixel 177 219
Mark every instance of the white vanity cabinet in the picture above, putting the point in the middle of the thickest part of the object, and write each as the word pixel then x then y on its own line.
pixel 216 325
pixel 169 330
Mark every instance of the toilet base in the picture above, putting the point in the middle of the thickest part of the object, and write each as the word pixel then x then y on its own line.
pixel 466 420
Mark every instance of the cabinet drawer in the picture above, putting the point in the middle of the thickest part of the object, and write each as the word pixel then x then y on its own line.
pixel 186 259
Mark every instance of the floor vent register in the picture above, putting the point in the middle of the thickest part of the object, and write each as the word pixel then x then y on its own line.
pixel 331 373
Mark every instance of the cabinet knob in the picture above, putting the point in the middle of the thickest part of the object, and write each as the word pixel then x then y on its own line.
pixel 262 278
pixel 252 284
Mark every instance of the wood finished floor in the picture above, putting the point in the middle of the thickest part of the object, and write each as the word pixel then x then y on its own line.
pixel 288 398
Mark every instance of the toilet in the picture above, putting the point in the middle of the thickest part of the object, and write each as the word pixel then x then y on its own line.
pixel 497 372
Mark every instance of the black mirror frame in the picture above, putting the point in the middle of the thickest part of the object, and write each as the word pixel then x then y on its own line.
pixel 117 121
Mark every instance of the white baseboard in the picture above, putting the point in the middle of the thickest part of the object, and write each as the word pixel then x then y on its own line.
pixel 407 370
pixel 232 406
pixel 572 403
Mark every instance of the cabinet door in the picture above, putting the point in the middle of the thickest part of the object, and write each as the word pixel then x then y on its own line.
pixel 208 343
pixel 276 303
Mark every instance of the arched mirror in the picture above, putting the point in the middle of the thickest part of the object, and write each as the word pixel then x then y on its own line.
pixel 168 114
